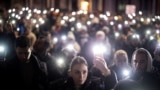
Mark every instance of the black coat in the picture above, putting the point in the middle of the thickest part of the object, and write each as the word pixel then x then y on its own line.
pixel 68 84
pixel 18 75
pixel 147 80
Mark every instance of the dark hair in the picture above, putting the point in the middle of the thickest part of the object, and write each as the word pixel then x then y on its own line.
pixel 78 60
pixel 23 42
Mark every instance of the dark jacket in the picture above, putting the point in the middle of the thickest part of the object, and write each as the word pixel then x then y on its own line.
pixel 68 84
pixel 108 81
pixel 119 71
pixel 147 80
pixel 32 74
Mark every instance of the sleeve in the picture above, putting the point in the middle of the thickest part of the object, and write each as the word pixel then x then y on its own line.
pixel 110 81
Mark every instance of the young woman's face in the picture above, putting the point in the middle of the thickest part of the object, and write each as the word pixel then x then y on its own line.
pixel 140 62
pixel 79 73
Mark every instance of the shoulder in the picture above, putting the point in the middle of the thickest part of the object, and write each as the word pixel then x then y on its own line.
pixel 60 84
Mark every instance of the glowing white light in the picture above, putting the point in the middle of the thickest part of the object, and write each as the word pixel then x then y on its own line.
pixel 158 17
pixel 99 49
pixel 126 22
pixel 119 26
pixel 64 37
pixel 108 13
pixel 9 11
pixel 157 31
pixel 72 29
pixel 28 17
pixel 21 12
pixel 111 23
pixel 18 29
pixel 65 17
pixel 72 19
pixel 130 16
pixel 134 14
pixel 45 12
pixel 133 21
pixel 91 16
pixel 42 22
pixel 148 32
pixel 17 16
pixel 13 21
pixel 73 13
pixel 70 47
pixel 126 72
pixel 79 25
pixel 105 17
pixel 34 20
pixel 140 12
pixel 101 15
pixel 117 34
pixel 142 19
pixel 85 12
pixel 135 36
pixel 153 19
pixel 88 22
pixel 57 10
pixel 55 39
pixel 52 9
pixel 35 10
pixel 13 10
pixel 2 48
pixel 1 21
pixel 13 14
pixel 80 12
pixel 37 25
pixel 62 22
pixel 115 18
pixel 23 9
pixel 38 11
pixel 27 8
pixel 151 37
pixel 29 11
pixel 148 20
pixel 60 62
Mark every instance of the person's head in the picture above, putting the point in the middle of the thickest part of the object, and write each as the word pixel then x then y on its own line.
pixel 120 58
pixel 79 70
pixel 100 35
pixel 42 44
pixel 141 60
pixel 23 48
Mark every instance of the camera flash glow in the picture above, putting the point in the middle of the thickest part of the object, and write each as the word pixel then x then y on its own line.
pixel 60 62
pixel 126 72
pixel 2 48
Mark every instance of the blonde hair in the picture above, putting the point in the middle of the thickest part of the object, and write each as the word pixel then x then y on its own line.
pixel 120 53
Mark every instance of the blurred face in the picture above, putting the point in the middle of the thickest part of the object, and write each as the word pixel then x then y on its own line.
pixel 140 63
pixel 23 54
pixel 79 73
pixel 121 61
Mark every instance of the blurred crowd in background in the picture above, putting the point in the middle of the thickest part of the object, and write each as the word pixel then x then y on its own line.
pixel 56 37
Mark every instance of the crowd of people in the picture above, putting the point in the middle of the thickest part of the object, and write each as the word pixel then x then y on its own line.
pixel 54 50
